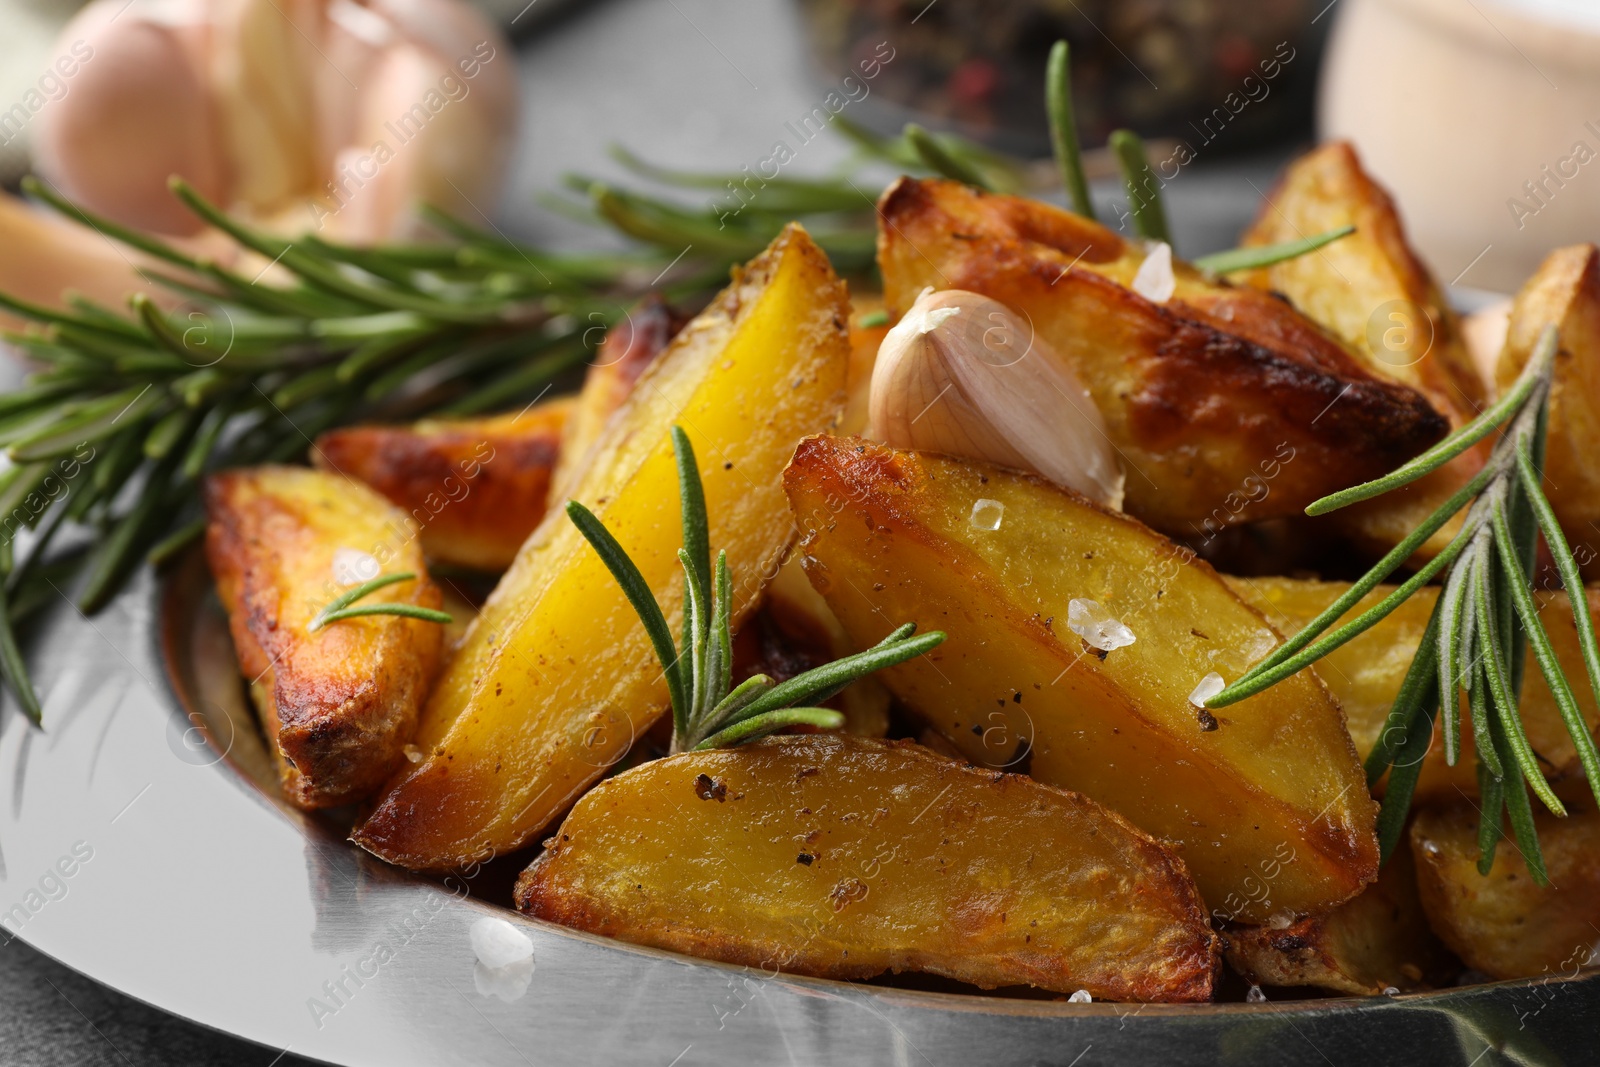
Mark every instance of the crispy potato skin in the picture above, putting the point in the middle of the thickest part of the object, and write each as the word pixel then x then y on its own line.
pixel 475 487
pixel 1373 291
pixel 1503 924
pixel 888 539
pixel 843 857
pixel 1198 394
pixel 1566 293
pixel 1376 941
pixel 1365 674
pixel 629 347
pixel 341 703
pixel 556 677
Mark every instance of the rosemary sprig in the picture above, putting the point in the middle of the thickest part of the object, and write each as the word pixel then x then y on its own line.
pixel 708 710
pixel 1254 258
pixel 343 606
pixel 1483 624
pixel 1144 191
pixel 1064 129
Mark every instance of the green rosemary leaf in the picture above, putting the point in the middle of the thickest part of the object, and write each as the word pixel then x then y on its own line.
pixel 14 669
pixel 1478 685
pixel 1450 640
pixel 168 548
pixel 873 319
pixel 1408 758
pixel 123 550
pixel 637 590
pixel 1064 129
pixel 937 158
pixel 1491 794
pixel 736 700
pixel 696 524
pixel 1458 442
pixel 1143 188
pixel 355 593
pixel 92 421
pixel 722 628
pixel 1237 259
pixel 697 625
pixel 1520 814
pixel 410 611
pixel 520 382
pixel 170 431
pixel 820 683
pixel 758 726
pixel 151 246
pixel 1413 697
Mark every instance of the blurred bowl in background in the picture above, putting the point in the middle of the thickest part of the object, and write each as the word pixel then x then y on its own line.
pixel 1482 117
pixel 1185 69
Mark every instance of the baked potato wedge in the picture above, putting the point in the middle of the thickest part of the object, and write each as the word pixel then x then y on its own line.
pixel 1372 290
pixel 1566 293
pixel 1502 923
pixel 629 347
pixel 1365 674
pixel 1378 941
pixel 1205 396
pixel 475 487
pixel 338 705
pixel 556 677
pixel 843 857
pixel 1003 563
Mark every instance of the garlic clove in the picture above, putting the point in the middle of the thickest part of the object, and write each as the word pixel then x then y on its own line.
pixel 964 375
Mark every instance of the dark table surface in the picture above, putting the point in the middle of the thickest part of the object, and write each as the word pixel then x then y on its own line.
pixel 700 84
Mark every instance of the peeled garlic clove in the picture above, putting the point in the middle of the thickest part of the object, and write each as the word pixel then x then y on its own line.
pixel 964 375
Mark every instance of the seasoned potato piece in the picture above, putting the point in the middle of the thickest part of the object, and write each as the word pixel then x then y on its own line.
pixel 1366 673
pixel 1205 396
pixel 1004 564
pixel 629 347
pixel 1370 288
pixel 1373 291
pixel 1566 293
pixel 557 677
pixel 1378 941
pixel 872 856
pixel 1503 924
pixel 476 487
pixel 340 704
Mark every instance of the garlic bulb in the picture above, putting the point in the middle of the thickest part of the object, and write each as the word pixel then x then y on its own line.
pixel 333 116
pixel 964 375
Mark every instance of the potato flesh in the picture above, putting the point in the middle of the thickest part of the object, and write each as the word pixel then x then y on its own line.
pixel 890 538
pixel 557 677
pixel 339 704
pixel 1566 293
pixel 843 857
pixel 1366 673
pixel 1503 924
pixel 476 487
pixel 1378 941
pixel 1209 398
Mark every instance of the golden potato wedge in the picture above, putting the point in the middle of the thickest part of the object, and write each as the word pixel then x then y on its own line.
pixel 871 856
pixel 1366 673
pixel 1378 941
pixel 1370 288
pixel 339 705
pixel 1503 924
pixel 1205 396
pixel 1566 293
pixel 557 677
pixel 475 487
pixel 629 347
pixel 1373 291
pixel 996 560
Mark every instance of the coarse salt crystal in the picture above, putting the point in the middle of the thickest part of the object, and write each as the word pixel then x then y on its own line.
pixel 986 514
pixel 508 983
pixel 1391 991
pixel 1209 686
pixel 1264 642
pixel 497 943
pixel 351 566
pixel 1098 628
pixel 1281 920
pixel 1155 280
pixel 413 753
pixel 1255 996
pixel 1080 997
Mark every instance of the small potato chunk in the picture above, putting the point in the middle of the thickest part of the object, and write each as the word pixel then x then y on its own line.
pixel 339 705
pixel 1378 941
pixel 476 487
pixel 843 857
pixel 1373 291
pixel 1002 562
pixel 1365 674
pixel 1566 293
pixel 1503 924
pixel 556 677
pixel 629 347
pixel 1206 396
